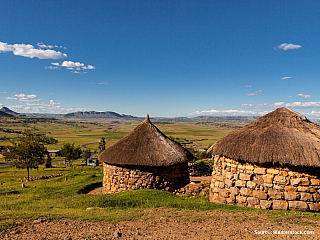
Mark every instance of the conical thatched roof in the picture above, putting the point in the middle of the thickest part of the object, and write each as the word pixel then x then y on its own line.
pixel 145 146
pixel 282 137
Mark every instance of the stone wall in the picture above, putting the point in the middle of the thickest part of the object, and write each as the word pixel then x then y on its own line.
pixel 125 178
pixel 265 187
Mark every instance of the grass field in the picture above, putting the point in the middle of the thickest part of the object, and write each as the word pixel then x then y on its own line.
pixel 57 198
pixel 195 135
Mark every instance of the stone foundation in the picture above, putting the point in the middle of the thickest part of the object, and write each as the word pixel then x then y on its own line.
pixel 265 187
pixel 125 178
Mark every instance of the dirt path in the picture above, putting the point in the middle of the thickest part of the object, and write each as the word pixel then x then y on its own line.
pixel 166 224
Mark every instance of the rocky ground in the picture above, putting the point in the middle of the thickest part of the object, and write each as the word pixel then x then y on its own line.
pixel 168 224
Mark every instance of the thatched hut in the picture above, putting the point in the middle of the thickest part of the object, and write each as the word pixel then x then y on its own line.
pixel 145 159
pixel 272 163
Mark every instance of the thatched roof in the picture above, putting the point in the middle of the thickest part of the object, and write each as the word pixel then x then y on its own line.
pixel 146 145
pixel 282 137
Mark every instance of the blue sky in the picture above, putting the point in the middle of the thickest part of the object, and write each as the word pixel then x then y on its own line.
pixel 163 58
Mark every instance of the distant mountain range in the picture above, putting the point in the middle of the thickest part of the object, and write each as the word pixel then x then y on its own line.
pixel 93 114
pixel 108 115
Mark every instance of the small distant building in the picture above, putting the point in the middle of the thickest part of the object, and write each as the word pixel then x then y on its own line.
pixel 272 163
pixel 92 162
pixel 55 153
pixel 203 149
pixel 145 159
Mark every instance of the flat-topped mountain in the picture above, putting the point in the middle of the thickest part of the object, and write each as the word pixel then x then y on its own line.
pixel 93 114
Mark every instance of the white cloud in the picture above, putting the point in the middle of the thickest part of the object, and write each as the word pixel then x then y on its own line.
pixel 229 112
pixel 288 46
pixel 283 104
pixel 255 93
pixel 27 50
pixel 286 78
pixel 24 98
pixel 304 95
pixel 248 86
pixel 74 66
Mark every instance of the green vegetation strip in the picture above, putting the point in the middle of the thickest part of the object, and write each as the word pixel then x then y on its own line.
pixel 61 197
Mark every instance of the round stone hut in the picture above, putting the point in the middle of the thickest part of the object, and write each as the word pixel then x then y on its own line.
pixel 272 163
pixel 145 159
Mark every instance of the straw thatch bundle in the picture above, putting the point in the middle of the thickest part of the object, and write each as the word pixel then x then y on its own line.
pixel 282 137
pixel 146 145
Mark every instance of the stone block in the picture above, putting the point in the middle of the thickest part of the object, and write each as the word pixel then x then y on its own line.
pixel 265 204
pixel 316 197
pixel 306 189
pixel 279 205
pixel 231 199
pixel 291 196
pixel 220 199
pixel 268 185
pixel 306 196
pixel 315 207
pixel 221 184
pixel 272 171
pixel 247 192
pixel 315 182
pixel 249 167
pixel 219 178
pixel 278 187
pixel 244 176
pixel 279 179
pixel 241 199
pixel 289 188
pixel 229 175
pixel 251 184
pixel 216 189
pixel 283 173
pixel 298 206
pixel 228 182
pixel 268 178
pixel 260 170
pixel 252 201
pixel 233 170
pixel 260 194
pixel 224 193
pixel 234 191
pixel 274 194
pixel 299 181
pixel 240 183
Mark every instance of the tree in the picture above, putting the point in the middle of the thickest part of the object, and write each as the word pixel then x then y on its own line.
pixel 70 152
pixel 28 150
pixel 102 145
pixel 86 154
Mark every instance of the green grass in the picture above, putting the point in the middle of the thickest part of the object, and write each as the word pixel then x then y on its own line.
pixel 57 198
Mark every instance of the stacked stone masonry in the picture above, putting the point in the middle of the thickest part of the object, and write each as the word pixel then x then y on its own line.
pixel 265 187
pixel 125 178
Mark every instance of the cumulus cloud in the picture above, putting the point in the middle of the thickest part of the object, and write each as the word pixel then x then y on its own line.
pixel 255 93
pixel 286 78
pixel 77 66
pixel 27 50
pixel 283 104
pixel 288 46
pixel 24 98
pixel 43 107
pixel 304 95
pixel 248 86
pixel 230 112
